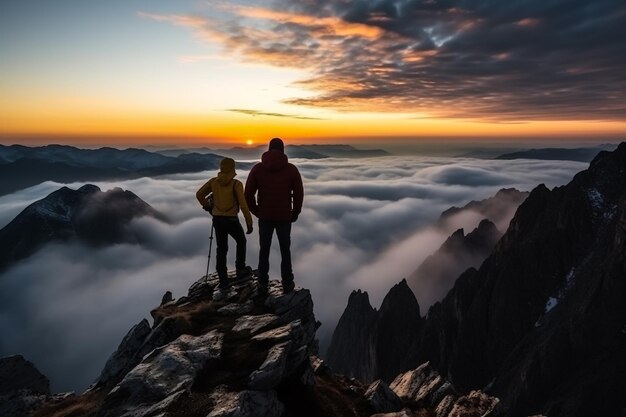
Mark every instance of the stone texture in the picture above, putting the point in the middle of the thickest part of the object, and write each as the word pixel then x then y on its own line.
pixel 445 406
pixel 293 331
pixel 318 365
pixel 417 384
pixel 381 398
pixel 476 403
pixel 125 358
pixel 254 324
pixel 164 373
pixel 246 404
pixel 401 413
pixel 270 373
pixel 237 309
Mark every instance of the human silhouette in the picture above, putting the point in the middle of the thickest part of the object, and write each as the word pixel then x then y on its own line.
pixel 274 193
pixel 228 199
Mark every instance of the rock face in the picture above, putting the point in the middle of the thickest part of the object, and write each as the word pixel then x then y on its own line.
pixel 369 344
pixel 499 209
pixel 86 214
pixel 541 321
pixel 436 275
pixel 22 387
pixel 546 305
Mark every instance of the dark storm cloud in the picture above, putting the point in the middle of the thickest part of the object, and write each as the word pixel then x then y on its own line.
pixel 365 224
pixel 493 59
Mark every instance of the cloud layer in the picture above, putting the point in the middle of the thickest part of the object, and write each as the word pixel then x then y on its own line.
pixel 532 60
pixel 365 224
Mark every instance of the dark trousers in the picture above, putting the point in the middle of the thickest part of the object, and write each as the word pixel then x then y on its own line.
pixel 283 232
pixel 225 226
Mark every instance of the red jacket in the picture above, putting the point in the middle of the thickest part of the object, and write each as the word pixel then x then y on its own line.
pixel 279 186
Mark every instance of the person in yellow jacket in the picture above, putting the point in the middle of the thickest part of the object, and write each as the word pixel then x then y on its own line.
pixel 228 198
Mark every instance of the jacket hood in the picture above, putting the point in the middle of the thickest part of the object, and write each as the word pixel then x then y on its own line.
pixel 274 160
pixel 227 171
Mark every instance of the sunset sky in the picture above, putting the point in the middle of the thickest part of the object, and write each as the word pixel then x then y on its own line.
pixel 206 72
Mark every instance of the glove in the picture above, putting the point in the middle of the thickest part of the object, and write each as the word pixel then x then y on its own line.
pixel 294 217
pixel 249 229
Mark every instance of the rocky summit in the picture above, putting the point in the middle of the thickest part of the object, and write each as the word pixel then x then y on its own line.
pixel 241 356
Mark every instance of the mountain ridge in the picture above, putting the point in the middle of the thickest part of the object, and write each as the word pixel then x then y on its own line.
pixel 546 305
pixel 86 214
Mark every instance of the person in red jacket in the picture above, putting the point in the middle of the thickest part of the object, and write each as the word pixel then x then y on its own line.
pixel 274 194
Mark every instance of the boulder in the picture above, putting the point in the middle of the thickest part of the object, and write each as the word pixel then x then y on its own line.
pixel 476 403
pixel 381 398
pixel 271 371
pixel 246 404
pixel 164 374
pixel 418 384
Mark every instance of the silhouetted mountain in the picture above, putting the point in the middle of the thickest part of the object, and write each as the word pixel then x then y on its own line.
pixel 87 214
pixel 22 166
pixel 540 323
pixel 499 209
pixel 436 275
pixel 369 344
pixel 292 151
pixel 487 153
pixel 343 151
pixel 560 154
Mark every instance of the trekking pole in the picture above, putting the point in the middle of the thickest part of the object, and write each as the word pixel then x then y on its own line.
pixel 210 246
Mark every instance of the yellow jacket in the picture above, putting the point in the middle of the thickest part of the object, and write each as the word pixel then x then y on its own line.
pixel 227 203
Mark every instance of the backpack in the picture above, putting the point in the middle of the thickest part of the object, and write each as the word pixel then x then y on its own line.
pixel 210 199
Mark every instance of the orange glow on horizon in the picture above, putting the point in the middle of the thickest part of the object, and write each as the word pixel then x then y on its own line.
pixel 234 128
pixel 113 122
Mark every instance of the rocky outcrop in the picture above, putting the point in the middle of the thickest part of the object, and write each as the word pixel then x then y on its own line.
pixel 231 357
pixel 437 274
pixel 369 344
pixel 424 386
pixel 22 387
pixel 381 398
pixel 86 214
pixel 16 373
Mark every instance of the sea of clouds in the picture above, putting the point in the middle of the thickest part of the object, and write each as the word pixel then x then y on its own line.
pixel 366 223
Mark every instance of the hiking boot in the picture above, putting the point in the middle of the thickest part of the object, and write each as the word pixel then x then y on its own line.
pixel 261 290
pixel 288 287
pixel 223 284
pixel 243 272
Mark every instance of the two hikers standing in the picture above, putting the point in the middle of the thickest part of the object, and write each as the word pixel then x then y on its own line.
pixel 273 193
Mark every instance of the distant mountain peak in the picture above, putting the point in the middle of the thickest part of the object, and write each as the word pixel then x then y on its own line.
pixel 90 188
pixel 86 214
